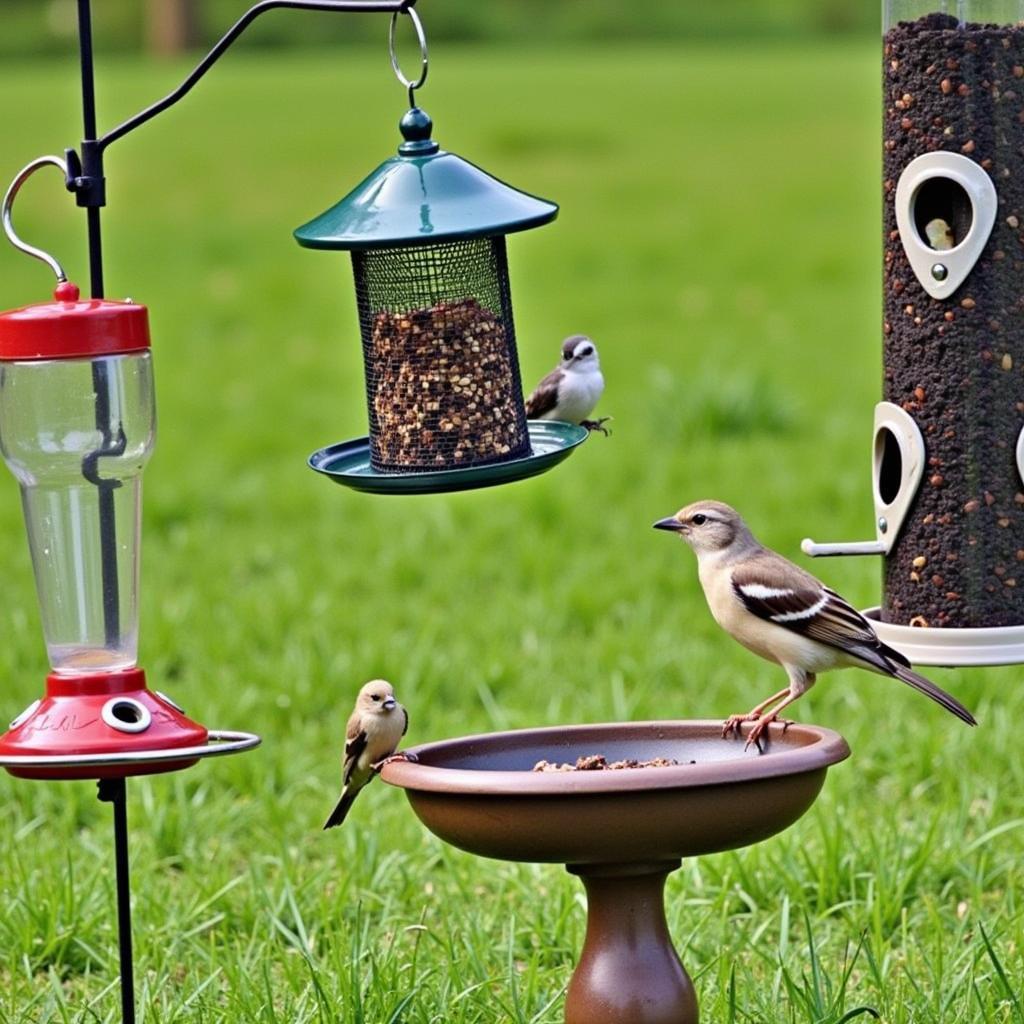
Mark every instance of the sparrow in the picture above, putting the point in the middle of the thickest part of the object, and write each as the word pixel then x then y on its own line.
pixel 940 234
pixel 784 614
pixel 572 389
pixel 375 728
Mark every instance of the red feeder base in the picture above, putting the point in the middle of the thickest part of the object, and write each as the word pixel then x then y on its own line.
pixel 105 713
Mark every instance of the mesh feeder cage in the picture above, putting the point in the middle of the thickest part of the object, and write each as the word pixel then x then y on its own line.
pixel 948 446
pixel 427 235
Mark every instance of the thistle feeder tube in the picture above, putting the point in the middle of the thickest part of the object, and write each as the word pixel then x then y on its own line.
pixel 954 362
pixel 953 332
pixel 426 231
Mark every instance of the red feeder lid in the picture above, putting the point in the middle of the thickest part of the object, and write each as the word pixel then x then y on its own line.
pixel 68 328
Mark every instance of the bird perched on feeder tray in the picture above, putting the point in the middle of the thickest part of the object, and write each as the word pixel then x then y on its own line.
pixel 375 729
pixel 572 389
pixel 940 234
pixel 784 614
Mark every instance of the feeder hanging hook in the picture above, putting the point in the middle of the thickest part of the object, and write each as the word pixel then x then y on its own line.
pixel 421 37
pixel 22 176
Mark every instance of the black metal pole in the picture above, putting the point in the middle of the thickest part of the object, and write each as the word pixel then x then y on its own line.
pixel 113 791
pixel 100 376
pixel 89 132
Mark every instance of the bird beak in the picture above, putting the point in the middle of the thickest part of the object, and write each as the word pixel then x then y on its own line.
pixel 389 704
pixel 671 523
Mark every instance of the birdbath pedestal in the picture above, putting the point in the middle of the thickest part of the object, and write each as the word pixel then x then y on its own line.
pixel 622 831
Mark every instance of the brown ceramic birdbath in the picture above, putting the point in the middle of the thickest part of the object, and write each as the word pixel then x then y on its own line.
pixel 621 831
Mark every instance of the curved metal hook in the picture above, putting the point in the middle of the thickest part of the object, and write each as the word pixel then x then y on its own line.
pixel 412 86
pixel 5 214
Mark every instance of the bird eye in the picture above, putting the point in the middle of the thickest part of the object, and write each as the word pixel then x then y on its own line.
pixel 699 519
pixel 588 351
pixel 375 696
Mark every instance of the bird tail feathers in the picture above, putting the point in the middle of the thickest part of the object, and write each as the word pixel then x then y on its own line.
pixel 341 809
pixel 937 694
pixel 891 662
pixel 892 655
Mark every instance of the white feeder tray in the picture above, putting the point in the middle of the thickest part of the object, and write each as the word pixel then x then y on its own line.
pixel 952 648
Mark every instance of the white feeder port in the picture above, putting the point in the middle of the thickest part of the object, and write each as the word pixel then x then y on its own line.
pixel 898 461
pixel 945 210
pixel 126 714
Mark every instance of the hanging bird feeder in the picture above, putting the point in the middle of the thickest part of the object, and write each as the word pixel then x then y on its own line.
pixel 427 231
pixel 77 427
pixel 948 442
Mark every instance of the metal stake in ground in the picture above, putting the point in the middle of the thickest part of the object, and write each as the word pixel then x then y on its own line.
pixel 113 791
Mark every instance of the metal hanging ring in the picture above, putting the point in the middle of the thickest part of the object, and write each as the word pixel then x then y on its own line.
pixel 412 86
pixel 30 250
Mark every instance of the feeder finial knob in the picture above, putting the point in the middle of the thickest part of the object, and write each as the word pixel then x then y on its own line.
pixel 66 291
pixel 416 127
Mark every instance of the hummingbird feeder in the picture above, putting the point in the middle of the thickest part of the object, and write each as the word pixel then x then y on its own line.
pixel 77 427
pixel 948 444
pixel 426 231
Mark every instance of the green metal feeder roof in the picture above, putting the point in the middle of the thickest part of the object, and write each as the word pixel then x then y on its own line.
pixel 423 196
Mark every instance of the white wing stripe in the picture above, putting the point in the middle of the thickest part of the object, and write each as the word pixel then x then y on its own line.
pixel 805 613
pixel 760 592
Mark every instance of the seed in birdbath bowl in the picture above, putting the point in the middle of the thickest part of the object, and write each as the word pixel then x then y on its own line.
pixel 598 762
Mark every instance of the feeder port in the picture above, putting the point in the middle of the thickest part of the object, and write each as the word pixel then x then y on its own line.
pixel 126 715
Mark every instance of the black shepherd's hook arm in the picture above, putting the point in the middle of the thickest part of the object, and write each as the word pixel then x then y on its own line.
pixel 349 6
pixel 85 174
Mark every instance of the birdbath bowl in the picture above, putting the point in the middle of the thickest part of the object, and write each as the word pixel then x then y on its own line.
pixel 622 831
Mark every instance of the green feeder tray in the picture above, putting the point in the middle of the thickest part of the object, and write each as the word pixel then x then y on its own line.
pixel 348 464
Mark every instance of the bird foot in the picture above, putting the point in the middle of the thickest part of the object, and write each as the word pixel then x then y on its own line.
pixel 732 726
pixel 761 727
pixel 378 767
pixel 598 425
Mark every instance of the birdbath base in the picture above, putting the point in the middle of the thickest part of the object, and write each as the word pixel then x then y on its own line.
pixel 621 831
pixel 629 969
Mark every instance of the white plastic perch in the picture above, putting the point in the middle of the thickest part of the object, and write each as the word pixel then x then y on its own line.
pixel 898 461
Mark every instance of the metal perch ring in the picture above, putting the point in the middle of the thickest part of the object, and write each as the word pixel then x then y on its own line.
pixel 424 63
pixel 219 743
pixel 30 250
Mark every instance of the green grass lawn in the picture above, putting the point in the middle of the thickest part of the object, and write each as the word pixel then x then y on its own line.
pixel 719 240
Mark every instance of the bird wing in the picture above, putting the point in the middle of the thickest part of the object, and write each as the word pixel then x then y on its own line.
pixel 544 396
pixel 785 595
pixel 780 592
pixel 405 720
pixel 355 744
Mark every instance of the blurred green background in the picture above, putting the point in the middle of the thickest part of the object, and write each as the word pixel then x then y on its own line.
pixel 32 27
